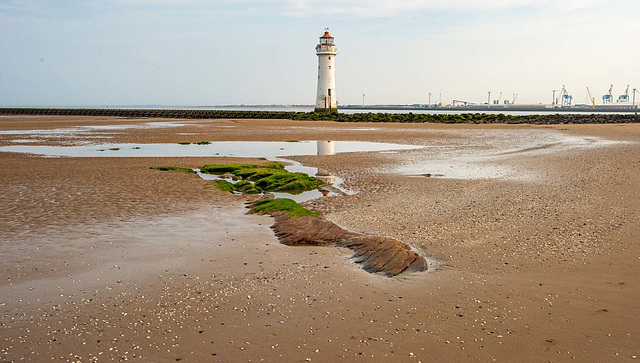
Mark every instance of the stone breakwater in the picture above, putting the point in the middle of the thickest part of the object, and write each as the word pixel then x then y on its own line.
pixel 477 118
pixel 151 113
pixel 376 254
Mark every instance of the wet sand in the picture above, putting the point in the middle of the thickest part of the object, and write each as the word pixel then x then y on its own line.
pixel 104 259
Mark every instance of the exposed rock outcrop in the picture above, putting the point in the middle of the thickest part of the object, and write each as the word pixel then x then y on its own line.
pixel 376 254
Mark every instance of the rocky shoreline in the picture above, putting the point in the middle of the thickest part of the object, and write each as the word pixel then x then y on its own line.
pixel 468 118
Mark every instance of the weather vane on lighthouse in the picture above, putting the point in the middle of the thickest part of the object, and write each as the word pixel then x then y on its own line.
pixel 326 51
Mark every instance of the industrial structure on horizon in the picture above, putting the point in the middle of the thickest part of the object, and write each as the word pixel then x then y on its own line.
pixel 326 50
pixel 565 99
pixel 561 100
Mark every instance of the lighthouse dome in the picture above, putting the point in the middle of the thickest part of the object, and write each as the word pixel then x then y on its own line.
pixel 326 38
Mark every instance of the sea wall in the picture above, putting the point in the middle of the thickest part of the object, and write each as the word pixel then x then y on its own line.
pixel 478 118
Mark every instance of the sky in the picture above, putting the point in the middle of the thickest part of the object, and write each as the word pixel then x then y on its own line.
pixel 224 52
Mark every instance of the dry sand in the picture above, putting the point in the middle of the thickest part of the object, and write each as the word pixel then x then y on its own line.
pixel 104 259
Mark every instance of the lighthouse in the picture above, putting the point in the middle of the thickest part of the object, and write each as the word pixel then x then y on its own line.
pixel 326 96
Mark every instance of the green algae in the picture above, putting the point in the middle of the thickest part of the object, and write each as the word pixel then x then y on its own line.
pixel 174 168
pixel 228 168
pixel 247 187
pixel 279 182
pixel 241 186
pixel 221 185
pixel 286 205
pixel 271 177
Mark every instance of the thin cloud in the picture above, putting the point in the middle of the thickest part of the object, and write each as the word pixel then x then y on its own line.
pixel 386 8
pixel 309 8
pixel 371 8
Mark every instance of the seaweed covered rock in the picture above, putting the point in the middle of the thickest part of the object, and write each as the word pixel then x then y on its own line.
pixel 247 187
pixel 281 205
pixel 221 185
pixel 271 177
pixel 225 168
pixel 298 226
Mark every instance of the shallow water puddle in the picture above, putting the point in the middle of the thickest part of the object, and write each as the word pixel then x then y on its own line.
pixel 247 149
pixel 82 130
pixel 492 154
pixel 272 151
pixel 467 154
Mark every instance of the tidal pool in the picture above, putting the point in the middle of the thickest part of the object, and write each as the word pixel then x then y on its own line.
pixel 83 130
pixel 247 149
pixel 272 151
pixel 493 153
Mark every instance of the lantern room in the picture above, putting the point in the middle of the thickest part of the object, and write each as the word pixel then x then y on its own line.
pixel 326 38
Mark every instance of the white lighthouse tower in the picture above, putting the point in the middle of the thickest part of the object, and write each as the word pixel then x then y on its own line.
pixel 326 51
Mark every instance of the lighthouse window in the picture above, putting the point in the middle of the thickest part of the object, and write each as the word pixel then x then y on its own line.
pixel 329 67
pixel 329 58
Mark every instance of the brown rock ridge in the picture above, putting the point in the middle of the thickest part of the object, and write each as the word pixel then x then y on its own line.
pixel 376 254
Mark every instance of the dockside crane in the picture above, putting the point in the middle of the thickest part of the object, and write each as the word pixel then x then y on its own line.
pixel 565 98
pixel 608 98
pixel 592 99
pixel 511 101
pixel 624 97
pixel 634 97
pixel 497 102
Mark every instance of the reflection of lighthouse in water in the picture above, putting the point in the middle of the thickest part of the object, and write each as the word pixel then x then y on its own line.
pixel 326 148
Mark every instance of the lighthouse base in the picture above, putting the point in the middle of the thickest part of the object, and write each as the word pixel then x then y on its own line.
pixel 326 110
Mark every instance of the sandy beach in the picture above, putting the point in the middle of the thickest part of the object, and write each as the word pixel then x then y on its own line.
pixel 531 231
